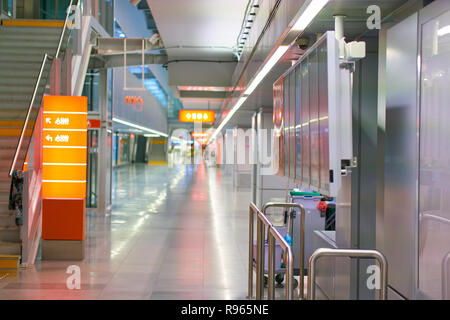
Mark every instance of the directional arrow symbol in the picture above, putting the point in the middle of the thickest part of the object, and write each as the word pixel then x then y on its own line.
pixel 49 138
pixel 48 120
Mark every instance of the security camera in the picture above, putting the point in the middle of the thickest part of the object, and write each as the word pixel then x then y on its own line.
pixel 302 43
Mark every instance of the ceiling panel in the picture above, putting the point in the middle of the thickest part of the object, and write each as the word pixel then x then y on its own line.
pixel 198 28
pixel 195 103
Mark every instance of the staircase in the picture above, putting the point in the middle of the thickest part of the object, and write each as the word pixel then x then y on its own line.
pixel 22 49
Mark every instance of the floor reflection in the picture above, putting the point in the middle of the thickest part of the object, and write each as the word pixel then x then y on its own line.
pixel 175 232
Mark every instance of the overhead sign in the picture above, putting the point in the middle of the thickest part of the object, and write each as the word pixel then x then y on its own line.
pixel 201 137
pixel 134 100
pixel 197 116
pixel 64 147
pixel 200 134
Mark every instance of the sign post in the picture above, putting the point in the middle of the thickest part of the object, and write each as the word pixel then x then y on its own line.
pixel 64 177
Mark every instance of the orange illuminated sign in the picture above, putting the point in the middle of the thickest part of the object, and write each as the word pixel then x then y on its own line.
pixel 200 134
pixel 64 147
pixel 93 124
pixel 197 116
pixel 201 137
pixel 133 100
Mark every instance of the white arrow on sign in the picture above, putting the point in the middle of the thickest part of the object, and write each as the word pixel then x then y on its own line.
pixel 48 120
pixel 49 138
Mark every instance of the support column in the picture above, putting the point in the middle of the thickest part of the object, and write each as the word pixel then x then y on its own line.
pixel 105 145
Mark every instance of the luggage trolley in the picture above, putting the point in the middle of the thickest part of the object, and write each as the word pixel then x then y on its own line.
pixel 280 269
pixel 315 220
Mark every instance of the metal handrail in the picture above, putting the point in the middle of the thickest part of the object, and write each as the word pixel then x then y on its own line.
pixel 25 124
pixel 263 222
pixel 38 82
pixel 350 253
pixel 63 30
pixel 275 235
pixel 301 240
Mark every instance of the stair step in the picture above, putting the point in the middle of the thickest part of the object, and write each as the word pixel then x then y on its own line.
pixel 4 206
pixel 7 219
pixel 5 184
pixel 27 36
pixel 23 57
pixel 12 81
pixel 9 262
pixel 18 104
pixel 4 193
pixel 23 68
pixel 31 30
pixel 14 114
pixel 33 23
pixel 8 142
pixel 5 164
pixel 6 99
pixel 37 52
pixel 9 234
pixel 30 43
pixel 10 248
pixel 8 154
pixel 13 89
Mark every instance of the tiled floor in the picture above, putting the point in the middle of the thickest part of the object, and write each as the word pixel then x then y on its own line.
pixel 174 233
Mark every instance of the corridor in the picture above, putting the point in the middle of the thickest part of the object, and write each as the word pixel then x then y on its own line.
pixel 173 233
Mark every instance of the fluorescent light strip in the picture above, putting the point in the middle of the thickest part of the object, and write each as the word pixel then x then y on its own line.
pixel 444 31
pixel 311 11
pixel 239 103
pixel 309 14
pixel 139 127
pixel 281 50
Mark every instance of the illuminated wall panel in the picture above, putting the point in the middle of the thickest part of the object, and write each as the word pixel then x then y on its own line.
pixel 313 146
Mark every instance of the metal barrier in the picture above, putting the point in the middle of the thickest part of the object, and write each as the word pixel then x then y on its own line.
pixel 350 253
pixel 273 235
pixel 302 242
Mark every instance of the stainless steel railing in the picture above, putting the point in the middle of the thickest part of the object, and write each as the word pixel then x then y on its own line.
pixel 301 240
pixel 350 253
pixel 273 235
pixel 27 117
pixel 64 29
pixel 36 87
